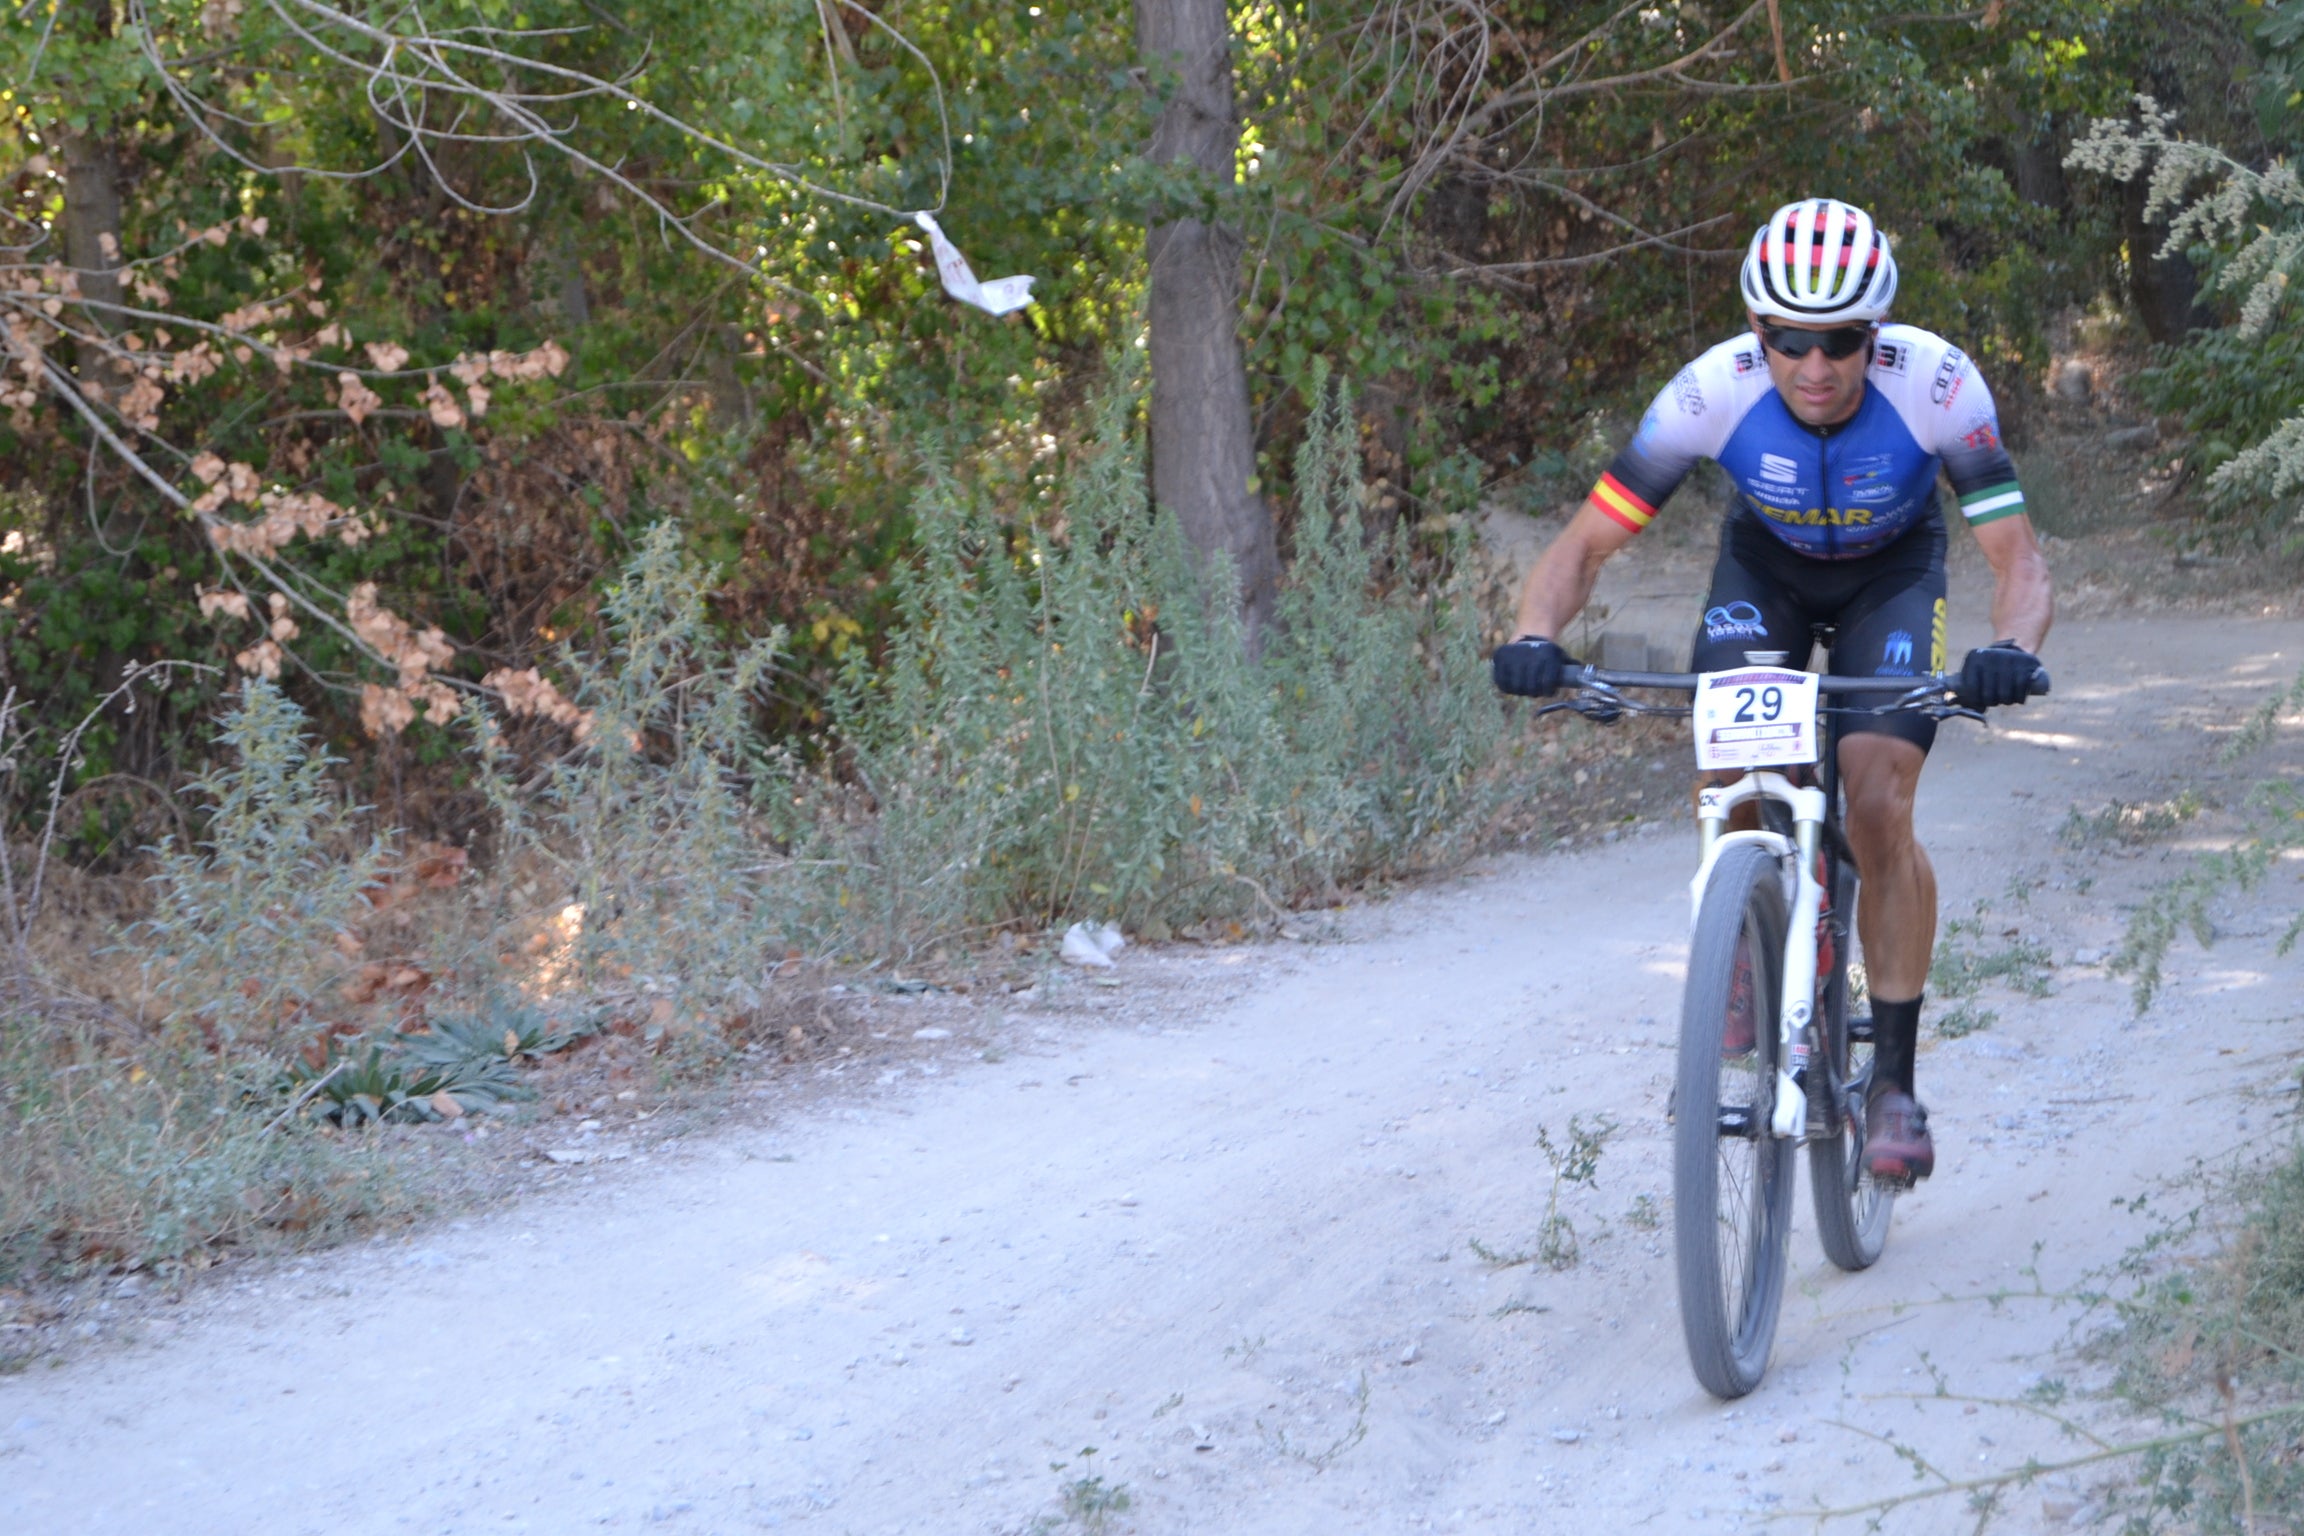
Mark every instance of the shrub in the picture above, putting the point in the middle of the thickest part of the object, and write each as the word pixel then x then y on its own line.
pixel 1068 723
pixel 106 1162
pixel 241 936
pixel 649 819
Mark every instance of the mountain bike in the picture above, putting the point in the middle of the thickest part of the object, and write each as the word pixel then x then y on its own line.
pixel 1767 1039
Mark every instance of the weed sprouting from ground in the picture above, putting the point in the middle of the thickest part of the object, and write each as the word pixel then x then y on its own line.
pixel 1578 1162
pixel 2128 824
pixel 1087 1502
pixel 1972 953
pixel 1965 1018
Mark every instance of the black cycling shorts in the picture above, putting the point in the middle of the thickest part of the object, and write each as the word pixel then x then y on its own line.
pixel 1886 610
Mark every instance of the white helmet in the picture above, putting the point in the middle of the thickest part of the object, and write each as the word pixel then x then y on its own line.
pixel 1820 262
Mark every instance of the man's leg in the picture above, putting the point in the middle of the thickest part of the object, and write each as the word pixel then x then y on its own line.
pixel 1896 916
pixel 1896 912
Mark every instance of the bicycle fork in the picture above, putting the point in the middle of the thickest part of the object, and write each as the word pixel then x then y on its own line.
pixel 1790 1115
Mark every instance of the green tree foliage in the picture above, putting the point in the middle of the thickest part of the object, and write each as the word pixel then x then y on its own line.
pixel 418 320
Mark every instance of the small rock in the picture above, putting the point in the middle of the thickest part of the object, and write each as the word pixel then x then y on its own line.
pixel 568 1154
pixel 2075 382
pixel 2132 439
pixel 803 1433
pixel 2095 956
pixel 931 1033
pixel 1203 1438
pixel 1494 1419
pixel 1564 1436
pixel 961 1336
pixel 1411 1355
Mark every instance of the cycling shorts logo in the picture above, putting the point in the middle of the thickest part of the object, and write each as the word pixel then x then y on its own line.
pixel 1949 377
pixel 1688 393
pixel 1896 655
pixel 1776 467
pixel 1734 621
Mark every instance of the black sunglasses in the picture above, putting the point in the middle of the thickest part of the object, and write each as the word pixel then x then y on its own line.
pixel 1844 342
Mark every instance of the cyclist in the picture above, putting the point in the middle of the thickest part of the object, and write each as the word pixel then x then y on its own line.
pixel 1831 423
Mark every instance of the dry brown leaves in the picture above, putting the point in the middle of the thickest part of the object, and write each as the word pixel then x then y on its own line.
pixel 415 653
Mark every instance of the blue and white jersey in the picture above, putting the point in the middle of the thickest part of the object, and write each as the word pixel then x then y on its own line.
pixel 1831 493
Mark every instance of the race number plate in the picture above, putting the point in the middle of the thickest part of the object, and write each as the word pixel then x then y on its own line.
pixel 1755 717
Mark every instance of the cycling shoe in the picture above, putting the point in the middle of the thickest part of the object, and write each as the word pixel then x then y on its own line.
pixel 1897 1146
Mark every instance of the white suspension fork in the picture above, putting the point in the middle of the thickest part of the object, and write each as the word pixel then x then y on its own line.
pixel 1790 1117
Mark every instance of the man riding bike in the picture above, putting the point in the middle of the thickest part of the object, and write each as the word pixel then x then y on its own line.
pixel 1832 424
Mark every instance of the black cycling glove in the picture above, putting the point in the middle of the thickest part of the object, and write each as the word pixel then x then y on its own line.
pixel 1997 674
pixel 1530 666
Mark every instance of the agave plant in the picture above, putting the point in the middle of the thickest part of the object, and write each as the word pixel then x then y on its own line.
pixel 366 1081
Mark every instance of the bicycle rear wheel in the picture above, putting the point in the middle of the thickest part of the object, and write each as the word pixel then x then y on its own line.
pixel 1852 1208
pixel 1732 1179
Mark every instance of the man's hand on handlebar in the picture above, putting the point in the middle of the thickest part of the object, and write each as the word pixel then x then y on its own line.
pixel 2000 673
pixel 1530 667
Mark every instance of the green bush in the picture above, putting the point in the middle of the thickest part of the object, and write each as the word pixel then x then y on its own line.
pixel 1068 723
pixel 241 934
pixel 650 819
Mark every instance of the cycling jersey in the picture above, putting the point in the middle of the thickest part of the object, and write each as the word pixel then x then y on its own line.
pixel 1831 493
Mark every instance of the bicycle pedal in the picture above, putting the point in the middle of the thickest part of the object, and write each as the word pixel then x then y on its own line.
pixel 1860 1029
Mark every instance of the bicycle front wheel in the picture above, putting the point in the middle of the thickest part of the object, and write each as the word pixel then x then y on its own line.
pixel 1852 1208
pixel 1731 1178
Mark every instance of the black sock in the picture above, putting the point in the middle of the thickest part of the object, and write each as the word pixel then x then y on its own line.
pixel 1895 1041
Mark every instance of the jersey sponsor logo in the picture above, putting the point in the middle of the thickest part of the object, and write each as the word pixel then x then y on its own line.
pixel 1688 392
pixel 1734 621
pixel 1747 360
pixel 1776 467
pixel 1982 438
pixel 1891 356
pixel 1817 517
pixel 1870 478
pixel 1950 375
pixel 1896 654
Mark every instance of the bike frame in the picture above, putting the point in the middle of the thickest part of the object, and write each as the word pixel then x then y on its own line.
pixel 1808 806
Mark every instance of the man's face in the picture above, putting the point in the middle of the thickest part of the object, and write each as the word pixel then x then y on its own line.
pixel 1821 391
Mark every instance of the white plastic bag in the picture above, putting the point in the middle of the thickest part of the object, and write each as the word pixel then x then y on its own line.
pixel 1093 944
pixel 997 297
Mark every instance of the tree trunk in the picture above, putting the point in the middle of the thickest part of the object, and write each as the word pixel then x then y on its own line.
pixel 1203 444
pixel 92 219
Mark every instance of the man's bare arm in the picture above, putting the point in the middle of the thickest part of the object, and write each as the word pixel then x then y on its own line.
pixel 1560 583
pixel 2023 600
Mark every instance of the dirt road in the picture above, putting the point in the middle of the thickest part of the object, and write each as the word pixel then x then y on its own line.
pixel 1233 1251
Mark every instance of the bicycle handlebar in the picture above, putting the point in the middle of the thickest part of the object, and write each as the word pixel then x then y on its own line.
pixel 1578 672
pixel 1936 694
